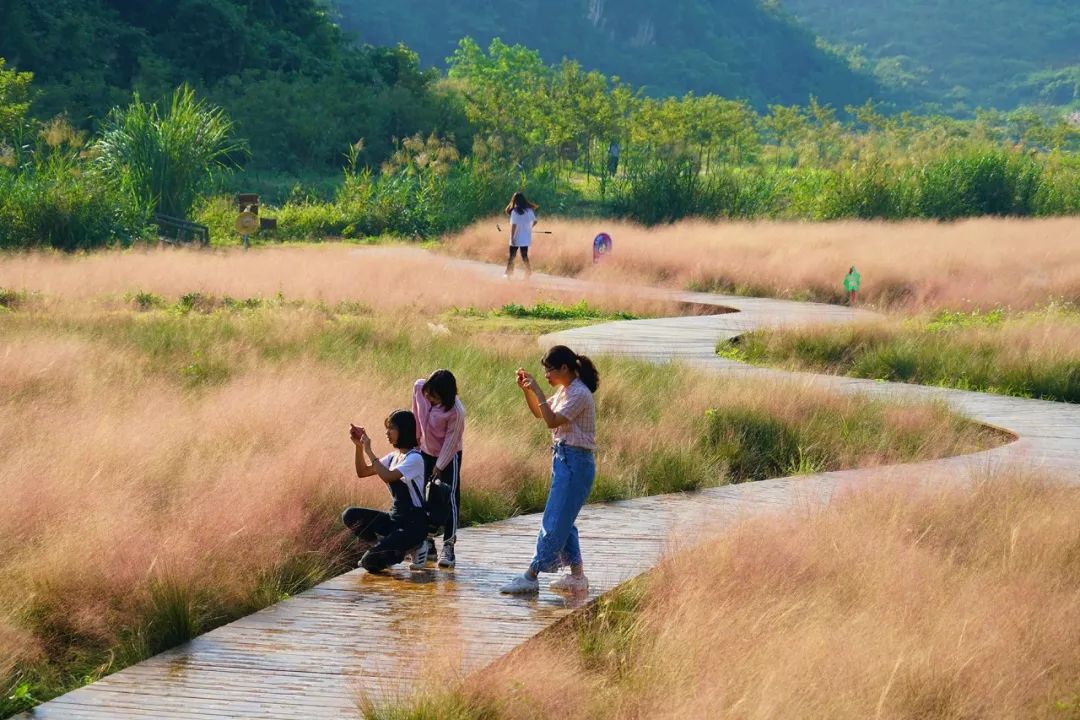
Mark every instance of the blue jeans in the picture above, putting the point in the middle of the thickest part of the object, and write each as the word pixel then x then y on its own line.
pixel 573 470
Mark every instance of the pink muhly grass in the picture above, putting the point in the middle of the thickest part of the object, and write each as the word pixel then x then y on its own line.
pixel 908 600
pixel 387 279
pixel 914 265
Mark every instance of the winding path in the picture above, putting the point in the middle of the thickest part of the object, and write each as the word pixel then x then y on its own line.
pixel 315 654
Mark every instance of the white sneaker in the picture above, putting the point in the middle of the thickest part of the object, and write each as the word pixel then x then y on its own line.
pixel 420 556
pixel 521 585
pixel 570 583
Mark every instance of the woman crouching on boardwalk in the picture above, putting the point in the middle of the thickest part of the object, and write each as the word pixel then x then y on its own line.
pixel 440 417
pixel 571 415
pixel 404 528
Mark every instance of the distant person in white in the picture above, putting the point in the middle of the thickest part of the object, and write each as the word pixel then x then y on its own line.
pixel 522 219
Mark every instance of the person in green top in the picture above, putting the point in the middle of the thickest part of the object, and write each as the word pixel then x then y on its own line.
pixel 851 284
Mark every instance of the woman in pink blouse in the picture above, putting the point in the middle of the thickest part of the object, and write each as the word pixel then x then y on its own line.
pixel 440 418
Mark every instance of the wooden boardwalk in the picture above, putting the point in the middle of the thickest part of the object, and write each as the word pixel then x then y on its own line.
pixel 313 655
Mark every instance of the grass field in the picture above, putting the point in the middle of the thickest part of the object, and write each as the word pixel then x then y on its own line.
pixel 907 602
pixel 909 266
pixel 174 449
pixel 987 304
pixel 1033 354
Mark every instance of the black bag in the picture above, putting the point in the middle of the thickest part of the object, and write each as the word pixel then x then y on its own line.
pixel 437 504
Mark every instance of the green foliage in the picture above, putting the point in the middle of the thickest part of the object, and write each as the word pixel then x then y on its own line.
pixel 504 121
pixel 961 54
pixel 605 634
pixel 744 49
pixel 405 200
pixel 21 698
pixel 981 182
pixel 578 311
pixel 297 88
pixel 869 189
pixel 951 319
pixel 144 301
pixel 14 99
pixel 163 159
pixel 53 199
pixel 667 191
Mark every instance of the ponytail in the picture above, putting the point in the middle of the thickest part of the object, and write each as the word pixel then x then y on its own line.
pixel 588 373
pixel 561 355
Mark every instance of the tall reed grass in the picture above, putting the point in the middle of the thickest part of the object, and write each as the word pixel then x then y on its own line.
pixel 911 266
pixel 165 159
pixel 909 601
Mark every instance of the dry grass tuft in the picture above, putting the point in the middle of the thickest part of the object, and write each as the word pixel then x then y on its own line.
pixel 912 265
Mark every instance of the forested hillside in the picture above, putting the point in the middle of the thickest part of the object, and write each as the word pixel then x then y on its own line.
pixel 967 52
pixel 735 48
pixel 261 60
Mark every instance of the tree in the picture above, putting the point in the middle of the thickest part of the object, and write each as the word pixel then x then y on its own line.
pixel 14 99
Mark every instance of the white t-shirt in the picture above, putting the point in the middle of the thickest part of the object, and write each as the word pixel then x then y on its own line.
pixel 524 223
pixel 411 466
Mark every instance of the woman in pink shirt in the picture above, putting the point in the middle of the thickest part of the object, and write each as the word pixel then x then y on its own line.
pixel 440 418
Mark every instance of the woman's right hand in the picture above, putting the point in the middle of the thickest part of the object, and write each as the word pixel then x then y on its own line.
pixel 356 434
pixel 527 381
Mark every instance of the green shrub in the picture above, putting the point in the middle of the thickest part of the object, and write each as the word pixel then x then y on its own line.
pixel 11 299
pixel 578 311
pixel 663 192
pixel 51 200
pixel 164 159
pixel 978 182
pixel 144 301
pixel 868 189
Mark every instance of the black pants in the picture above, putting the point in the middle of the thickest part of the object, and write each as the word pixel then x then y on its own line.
pixel 524 258
pixel 451 477
pixel 395 535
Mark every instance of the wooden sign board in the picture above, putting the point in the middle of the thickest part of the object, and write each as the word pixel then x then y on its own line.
pixel 243 200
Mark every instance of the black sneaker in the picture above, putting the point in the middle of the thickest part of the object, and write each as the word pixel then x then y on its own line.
pixel 447 560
